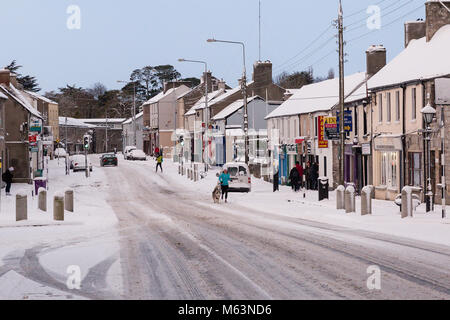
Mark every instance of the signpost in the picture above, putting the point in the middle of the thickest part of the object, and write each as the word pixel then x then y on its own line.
pixel 348 120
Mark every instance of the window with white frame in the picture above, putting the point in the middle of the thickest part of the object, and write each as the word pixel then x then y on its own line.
pixel 380 107
pixel 388 107
pixel 397 106
pixel 413 103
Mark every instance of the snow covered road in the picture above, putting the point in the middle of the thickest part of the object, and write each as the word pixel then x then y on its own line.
pixel 175 244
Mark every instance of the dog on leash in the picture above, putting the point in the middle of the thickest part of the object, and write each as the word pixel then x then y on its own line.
pixel 217 193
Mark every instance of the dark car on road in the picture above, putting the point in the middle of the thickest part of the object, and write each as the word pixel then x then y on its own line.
pixel 109 160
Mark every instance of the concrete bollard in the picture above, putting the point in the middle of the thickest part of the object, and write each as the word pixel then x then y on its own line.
pixel 340 204
pixel 58 207
pixel 42 199
pixel 407 204
pixel 21 206
pixel 366 200
pixel 349 199
pixel 68 200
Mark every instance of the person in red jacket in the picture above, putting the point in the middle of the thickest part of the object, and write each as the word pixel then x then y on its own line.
pixel 300 173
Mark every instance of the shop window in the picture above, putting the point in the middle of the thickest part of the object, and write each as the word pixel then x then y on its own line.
pixel 388 170
pixel 415 168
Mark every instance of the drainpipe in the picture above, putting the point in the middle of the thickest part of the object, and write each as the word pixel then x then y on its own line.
pixel 402 164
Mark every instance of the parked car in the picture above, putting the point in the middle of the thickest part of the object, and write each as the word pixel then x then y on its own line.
pixel 60 153
pixel 78 163
pixel 137 155
pixel 109 160
pixel 241 180
pixel 126 152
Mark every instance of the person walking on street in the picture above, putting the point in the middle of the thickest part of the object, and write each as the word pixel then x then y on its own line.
pixel 294 178
pixel 156 152
pixel 159 161
pixel 314 175
pixel 7 177
pixel 224 179
pixel 308 175
pixel 300 173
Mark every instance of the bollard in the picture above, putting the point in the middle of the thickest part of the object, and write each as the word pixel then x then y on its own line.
pixel 407 205
pixel 68 200
pixel 349 199
pixel 366 200
pixel 340 205
pixel 42 199
pixel 58 207
pixel 21 206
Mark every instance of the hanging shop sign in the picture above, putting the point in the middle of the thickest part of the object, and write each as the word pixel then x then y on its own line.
pixel 366 149
pixel 322 143
pixel 291 149
pixel 35 125
pixel 331 128
pixel 348 120
pixel 32 138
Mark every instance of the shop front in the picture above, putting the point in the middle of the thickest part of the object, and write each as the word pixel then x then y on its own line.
pixel 387 166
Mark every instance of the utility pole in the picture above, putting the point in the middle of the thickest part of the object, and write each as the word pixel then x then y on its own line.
pixel 341 95
pixel 134 114
pixel 444 186
pixel 106 132
pixel 244 93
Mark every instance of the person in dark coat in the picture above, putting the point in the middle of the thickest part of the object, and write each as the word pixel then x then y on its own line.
pixel 300 173
pixel 294 177
pixel 7 178
pixel 314 175
pixel 307 173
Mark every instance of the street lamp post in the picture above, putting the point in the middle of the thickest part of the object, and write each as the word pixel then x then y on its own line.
pixel 428 113
pixel 134 110
pixel 206 114
pixel 244 92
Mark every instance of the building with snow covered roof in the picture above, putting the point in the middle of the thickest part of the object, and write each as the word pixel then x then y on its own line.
pixel 160 119
pixel 23 147
pixel 399 91
pixel 128 132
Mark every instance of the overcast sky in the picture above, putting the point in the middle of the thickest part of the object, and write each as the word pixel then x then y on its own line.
pixel 118 36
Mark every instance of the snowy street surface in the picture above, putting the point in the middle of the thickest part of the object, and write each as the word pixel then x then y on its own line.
pixel 136 234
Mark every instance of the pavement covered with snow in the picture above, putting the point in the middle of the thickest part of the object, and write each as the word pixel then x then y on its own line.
pixel 85 239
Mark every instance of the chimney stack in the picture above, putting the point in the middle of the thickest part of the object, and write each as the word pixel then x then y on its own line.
pixel 5 76
pixel 436 16
pixel 208 76
pixel 414 30
pixel 222 85
pixel 375 59
pixel 262 73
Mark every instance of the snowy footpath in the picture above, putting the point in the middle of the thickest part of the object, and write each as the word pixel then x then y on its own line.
pixel 429 227
pixel 74 259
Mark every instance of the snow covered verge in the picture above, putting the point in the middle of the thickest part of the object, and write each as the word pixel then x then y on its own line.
pixel 285 203
pixel 86 239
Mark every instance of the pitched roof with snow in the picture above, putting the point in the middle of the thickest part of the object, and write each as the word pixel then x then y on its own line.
pixel 103 120
pixel 38 96
pixel 421 60
pixel 72 122
pixel 19 97
pixel 232 108
pixel 163 94
pixel 321 96
pixel 128 121
pixel 201 103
